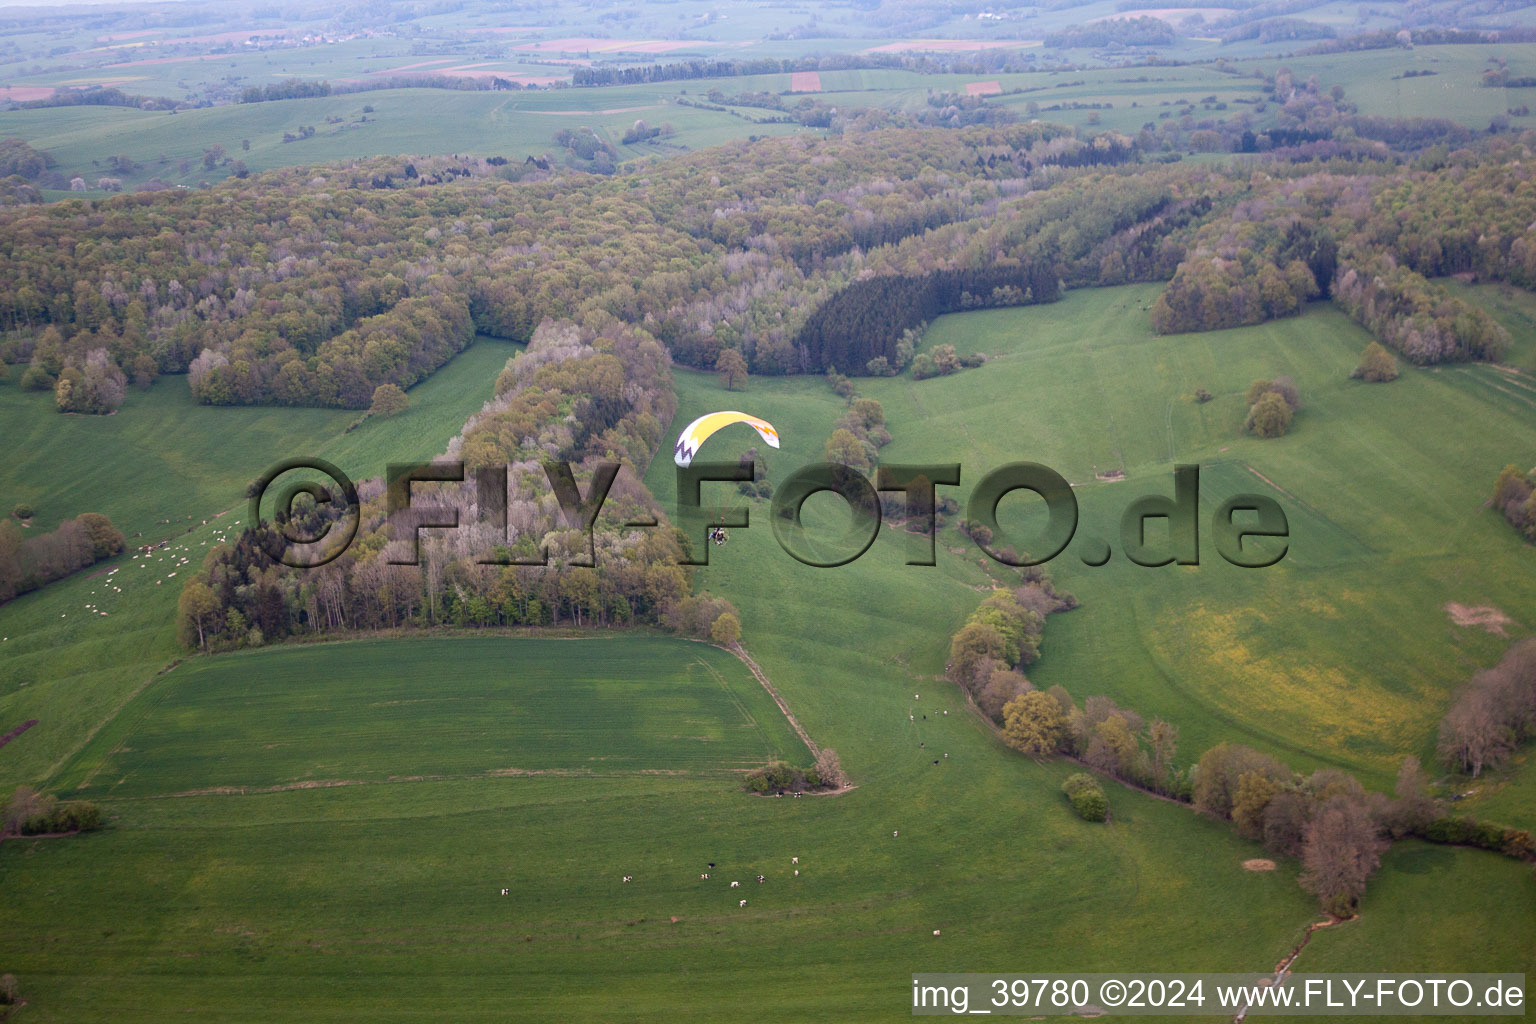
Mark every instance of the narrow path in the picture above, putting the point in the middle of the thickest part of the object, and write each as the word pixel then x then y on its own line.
pixel 762 677
pixel 1284 966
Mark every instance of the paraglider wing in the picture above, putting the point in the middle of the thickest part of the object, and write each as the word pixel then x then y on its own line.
pixel 697 432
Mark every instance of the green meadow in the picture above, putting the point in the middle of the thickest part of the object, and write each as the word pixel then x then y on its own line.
pixel 163 456
pixel 487 708
pixel 324 832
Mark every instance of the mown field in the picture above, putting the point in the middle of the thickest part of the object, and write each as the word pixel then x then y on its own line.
pixel 383 900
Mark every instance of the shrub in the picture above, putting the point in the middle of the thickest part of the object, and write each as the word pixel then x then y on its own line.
pixel 1202 395
pixel 22 511
pixel 1269 417
pixel 1086 797
pixel 1376 364
pixel 388 400
pixel 10 989
pixel 1282 386
pixel 37 379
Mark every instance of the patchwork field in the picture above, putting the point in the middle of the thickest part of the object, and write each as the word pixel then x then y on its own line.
pixel 522 123
pixel 278 899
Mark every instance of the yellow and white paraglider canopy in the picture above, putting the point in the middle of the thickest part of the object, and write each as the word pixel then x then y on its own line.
pixel 697 432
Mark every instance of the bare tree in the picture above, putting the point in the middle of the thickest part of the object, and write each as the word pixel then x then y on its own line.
pixel 1342 849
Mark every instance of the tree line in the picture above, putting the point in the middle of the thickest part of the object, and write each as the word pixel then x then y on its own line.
pixel 27 563
pixel 580 394
pixel 317 286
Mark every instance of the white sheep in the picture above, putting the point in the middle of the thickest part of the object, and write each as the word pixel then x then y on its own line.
pixel 797 872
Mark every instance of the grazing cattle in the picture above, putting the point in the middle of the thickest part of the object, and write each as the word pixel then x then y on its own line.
pixel 935 931
pixel 759 879
pixel 735 884
pixel 895 834
pixel 911 718
pixel 935 762
pixel 794 860
pixel 628 877
pixel 797 872
pixel 916 697
pixel 946 757
pixel 704 875
pixel 503 892
pixel 743 902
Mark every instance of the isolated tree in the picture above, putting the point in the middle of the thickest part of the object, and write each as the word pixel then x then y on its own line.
pixel 1269 417
pixel 1341 851
pixel 388 400
pixel 732 369
pixel 829 768
pixel 1376 364
pixel 196 612
pixel 1033 723
pixel 726 629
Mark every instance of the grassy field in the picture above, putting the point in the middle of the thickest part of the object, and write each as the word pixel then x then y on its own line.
pixel 486 708
pixel 383 900
pixel 296 904
pixel 162 457
pixel 163 443
pixel 1344 652
pixel 523 123
pixel 402 121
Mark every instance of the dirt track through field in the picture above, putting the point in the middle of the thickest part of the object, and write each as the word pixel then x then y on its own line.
pixel 762 677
